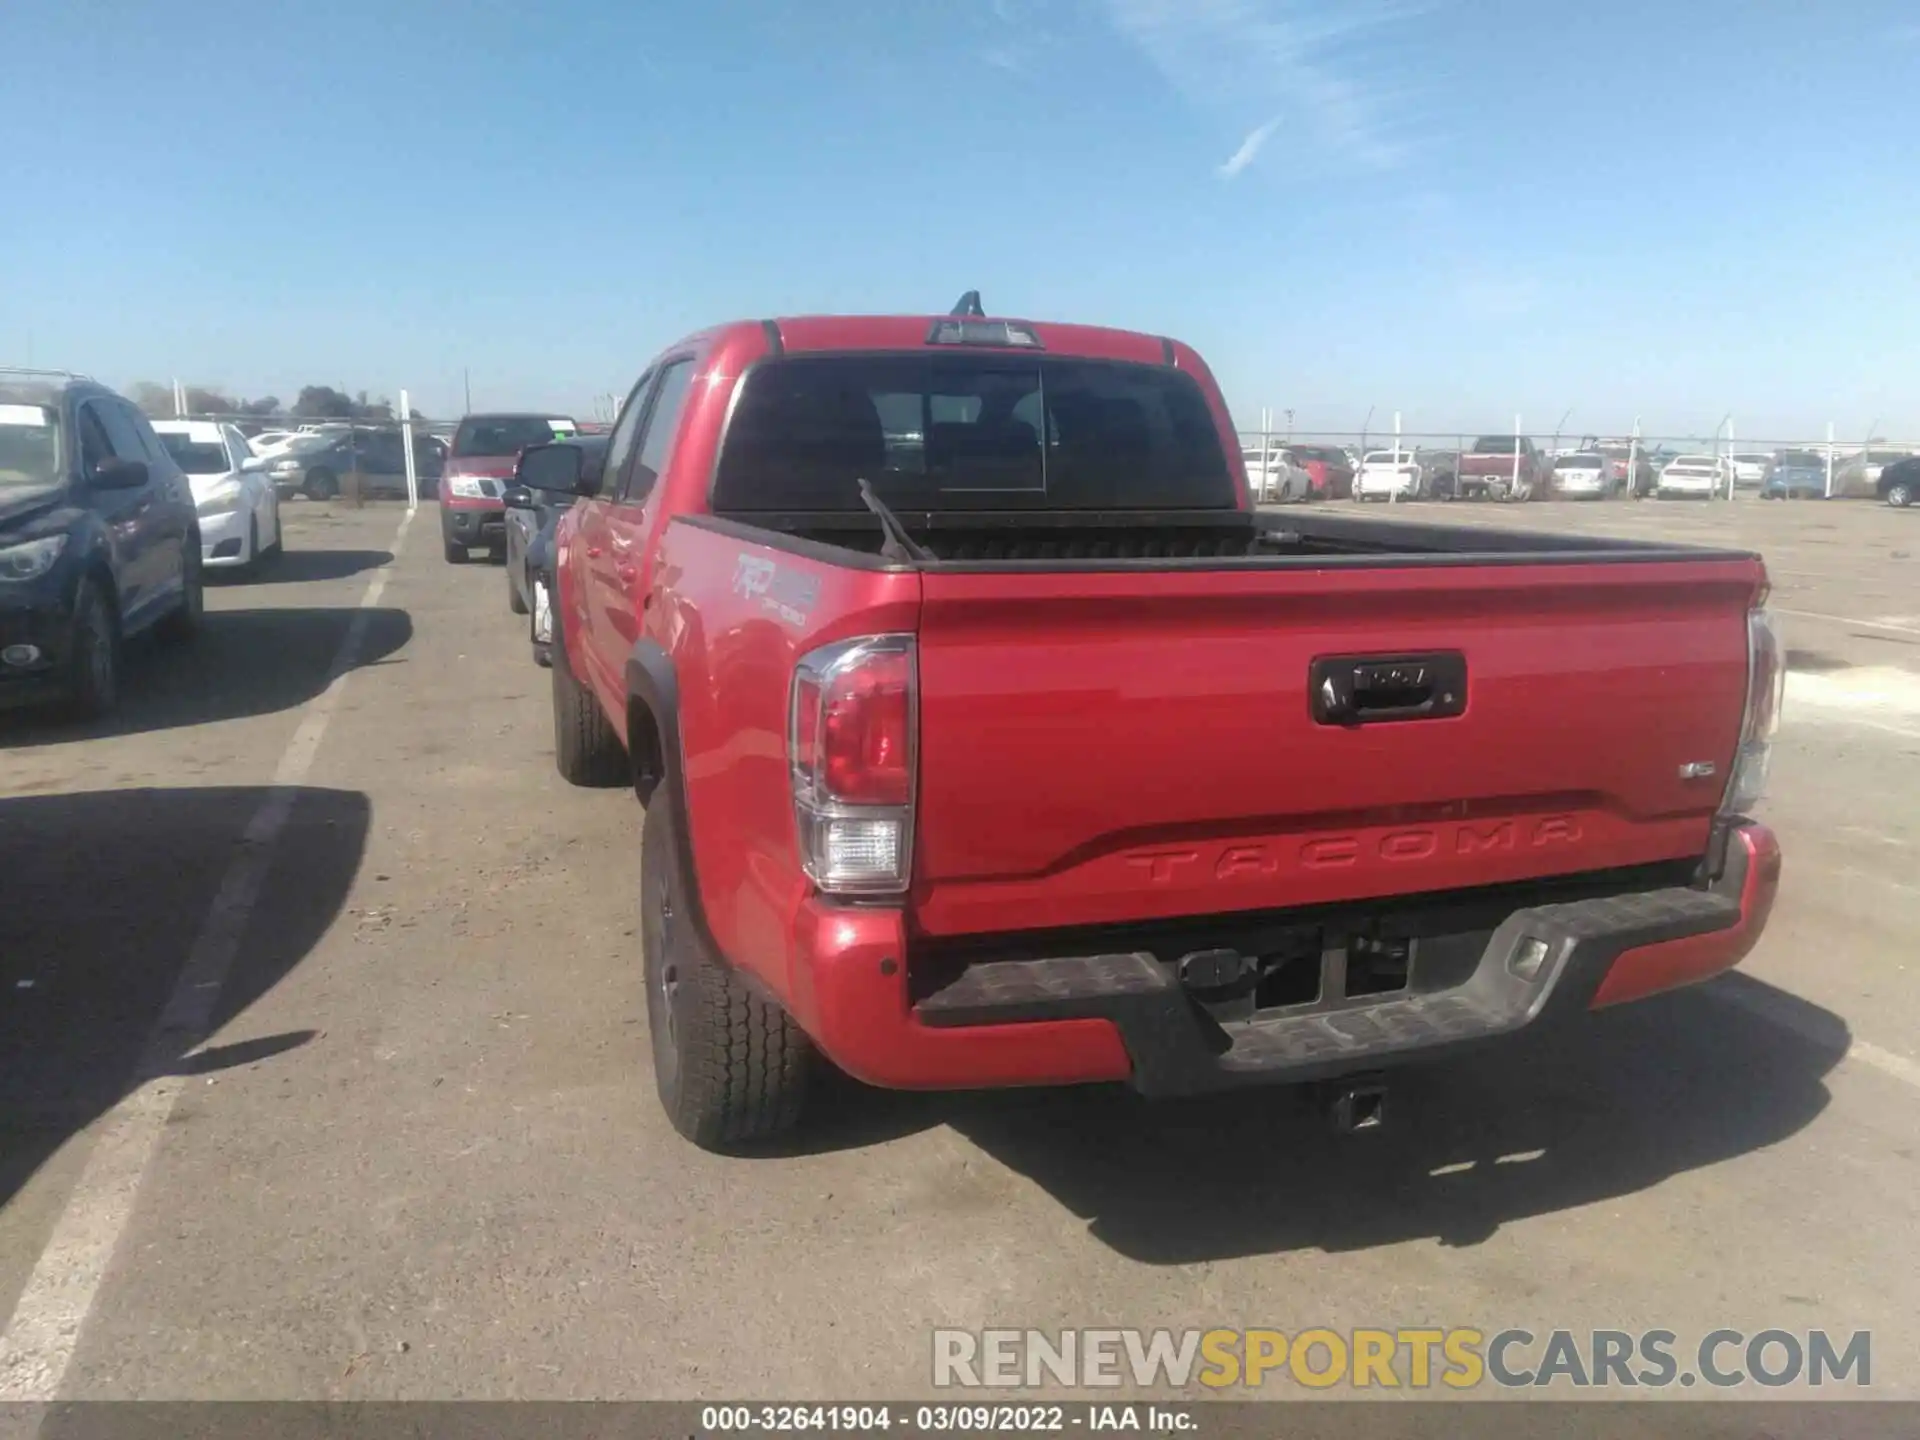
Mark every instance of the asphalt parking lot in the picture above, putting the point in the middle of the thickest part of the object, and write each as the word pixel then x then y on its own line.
pixel 417 1154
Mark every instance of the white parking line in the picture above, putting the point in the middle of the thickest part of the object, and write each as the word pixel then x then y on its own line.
pixel 1873 697
pixel 1891 622
pixel 1781 1011
pixel 38 1343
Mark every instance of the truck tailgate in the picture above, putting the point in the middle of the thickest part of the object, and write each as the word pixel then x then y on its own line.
pixel 1116 745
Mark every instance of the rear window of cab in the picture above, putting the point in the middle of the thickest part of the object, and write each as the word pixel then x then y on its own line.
pixel 948 432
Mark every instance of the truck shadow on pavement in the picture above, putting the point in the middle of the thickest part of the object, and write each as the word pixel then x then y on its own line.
pixel 106 894
pixel 1517 1130
pixel 244 662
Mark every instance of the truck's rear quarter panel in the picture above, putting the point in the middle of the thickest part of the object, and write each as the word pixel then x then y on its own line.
pixel 734 616
pixel 1101 747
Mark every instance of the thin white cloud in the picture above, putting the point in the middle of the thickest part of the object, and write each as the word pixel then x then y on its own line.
pixel 1249 148
pixel 1018 37
pixel 1316 68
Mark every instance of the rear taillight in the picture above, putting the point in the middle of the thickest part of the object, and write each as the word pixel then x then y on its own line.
pixel 1766 688
pixel 851 740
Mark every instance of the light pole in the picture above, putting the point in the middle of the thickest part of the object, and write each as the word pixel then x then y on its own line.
pixel 1560 426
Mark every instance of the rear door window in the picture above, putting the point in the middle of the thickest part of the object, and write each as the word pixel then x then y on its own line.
pixel 970 432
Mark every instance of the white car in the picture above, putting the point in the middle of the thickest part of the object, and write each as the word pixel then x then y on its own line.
pixel 239 510
pixel 1700 477
pixel 1276 476
pixel 1385 474
pixel 1584 475
pixel 268 441
pixel 1750 469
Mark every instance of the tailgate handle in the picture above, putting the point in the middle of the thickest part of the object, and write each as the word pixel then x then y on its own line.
pixel 1372 689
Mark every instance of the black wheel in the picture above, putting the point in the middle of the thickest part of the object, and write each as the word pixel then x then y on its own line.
pixel 184 622
pixel 496 554
pixel 322 484
pixel 93 653
pixel 515 601
pixel 585 749
pixel 731 1067
pixel 456 553
pixel 1900 493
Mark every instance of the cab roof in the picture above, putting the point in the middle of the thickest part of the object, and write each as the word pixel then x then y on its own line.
pixel 814 333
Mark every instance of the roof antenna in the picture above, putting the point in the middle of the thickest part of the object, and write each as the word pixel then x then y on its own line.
pixel 969 306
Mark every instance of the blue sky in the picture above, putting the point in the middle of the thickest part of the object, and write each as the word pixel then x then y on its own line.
pixel 1459 210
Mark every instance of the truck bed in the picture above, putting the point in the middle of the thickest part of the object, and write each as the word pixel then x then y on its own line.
pixel 1121 719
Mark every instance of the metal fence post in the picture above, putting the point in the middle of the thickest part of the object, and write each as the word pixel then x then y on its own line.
pixel 406 442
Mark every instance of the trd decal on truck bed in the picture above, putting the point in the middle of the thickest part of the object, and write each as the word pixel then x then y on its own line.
pixel 1159 866
pixel 785 594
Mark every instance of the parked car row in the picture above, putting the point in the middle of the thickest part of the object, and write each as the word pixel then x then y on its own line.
pixel 316 463
pixel 1515 468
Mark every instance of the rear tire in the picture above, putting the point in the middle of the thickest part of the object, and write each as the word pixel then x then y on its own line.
pixel 731 1067
pixel 1899 495
pixel 456 554
pixel 585 749
pixel 93 654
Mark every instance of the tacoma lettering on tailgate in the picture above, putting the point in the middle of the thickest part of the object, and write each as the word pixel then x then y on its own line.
pixel 1163 865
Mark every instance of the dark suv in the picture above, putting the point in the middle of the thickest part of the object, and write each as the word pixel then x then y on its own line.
pixel 99 540
pixel 317 467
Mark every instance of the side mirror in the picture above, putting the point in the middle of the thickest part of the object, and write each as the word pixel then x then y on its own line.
pixel 253 465
pixel 518 497
pixel 555 468
pixel 118 474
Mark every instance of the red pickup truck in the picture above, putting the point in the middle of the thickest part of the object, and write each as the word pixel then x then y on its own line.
pixel 1502 467
pixel 987 736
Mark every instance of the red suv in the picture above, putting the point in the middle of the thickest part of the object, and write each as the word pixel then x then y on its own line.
pixel 479 465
